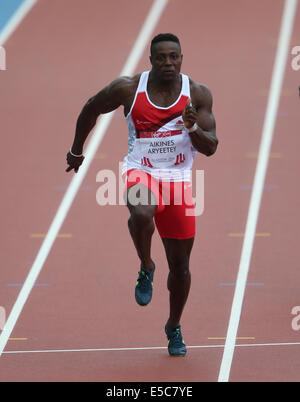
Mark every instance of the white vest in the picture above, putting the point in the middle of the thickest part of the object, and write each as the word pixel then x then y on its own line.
pixel 158 142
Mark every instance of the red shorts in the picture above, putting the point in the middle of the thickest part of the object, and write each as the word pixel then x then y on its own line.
pixel 175 213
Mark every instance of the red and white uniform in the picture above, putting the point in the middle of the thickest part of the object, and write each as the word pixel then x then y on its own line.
pixel 158 142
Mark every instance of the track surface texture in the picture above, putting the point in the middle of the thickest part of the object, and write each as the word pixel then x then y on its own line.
pixel 80 321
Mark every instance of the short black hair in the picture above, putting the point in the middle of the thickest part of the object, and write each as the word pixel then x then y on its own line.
pixel 164 37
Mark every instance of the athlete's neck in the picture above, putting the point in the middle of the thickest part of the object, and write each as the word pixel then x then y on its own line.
pixel 157 81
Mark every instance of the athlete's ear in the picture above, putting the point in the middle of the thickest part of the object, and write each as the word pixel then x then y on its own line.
pixel 150 58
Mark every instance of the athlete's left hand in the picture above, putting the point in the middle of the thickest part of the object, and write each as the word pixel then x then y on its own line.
pixel 189 115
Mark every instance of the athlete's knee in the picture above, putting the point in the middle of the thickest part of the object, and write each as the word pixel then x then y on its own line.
pixel 179 267
pixel 141 215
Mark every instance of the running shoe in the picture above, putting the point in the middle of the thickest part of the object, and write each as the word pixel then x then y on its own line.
pixel 144 286
pixel 176 345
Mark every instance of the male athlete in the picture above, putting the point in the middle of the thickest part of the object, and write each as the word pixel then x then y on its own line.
pixel 170 119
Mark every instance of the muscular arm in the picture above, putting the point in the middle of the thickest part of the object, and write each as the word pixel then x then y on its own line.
pixel 105 101
pixel 204 137
pixel 118 92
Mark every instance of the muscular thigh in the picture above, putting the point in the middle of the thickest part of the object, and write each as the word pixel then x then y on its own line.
pixel 141 190
pixel 177 219
pixel 139 195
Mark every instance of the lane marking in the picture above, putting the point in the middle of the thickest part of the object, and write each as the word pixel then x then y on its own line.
pixel 285 92
pixel 64 187
pixel 224 337
pixel 287 23
pixel 247 284
pixel 272 155
pixel 15 20
pixel 21 284
pixel 143 37
pixel 243 234
pixel 18 339
pixel 133 349
pixel 267 187
pixel 59 235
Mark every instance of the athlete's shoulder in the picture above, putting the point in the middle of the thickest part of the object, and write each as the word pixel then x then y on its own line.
pixel 125 83
pixel 200 93
pixel 122 89
pixel 199 88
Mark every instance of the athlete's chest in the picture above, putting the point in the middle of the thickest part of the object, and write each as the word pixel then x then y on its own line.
pixel 163 98
pixel 158 103
pixel 146 114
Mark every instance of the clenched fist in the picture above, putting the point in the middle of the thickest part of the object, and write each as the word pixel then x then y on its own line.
pixel 74 162
pixel 189 115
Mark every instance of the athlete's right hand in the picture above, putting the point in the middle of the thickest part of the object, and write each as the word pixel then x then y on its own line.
pixel 189 115
pixel 74 162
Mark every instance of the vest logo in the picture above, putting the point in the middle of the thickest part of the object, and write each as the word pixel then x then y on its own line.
pixel 180 158
pixel 159 134
pixel 146 162
pixel 179 124
pixel 143 122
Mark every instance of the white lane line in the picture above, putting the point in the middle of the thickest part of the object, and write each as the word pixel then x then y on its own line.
pixel 287 23
pixel 15 20
pixel 242 345
pixel 153 16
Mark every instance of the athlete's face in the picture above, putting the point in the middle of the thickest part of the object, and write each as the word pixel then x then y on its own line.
pixel 166 59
